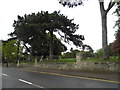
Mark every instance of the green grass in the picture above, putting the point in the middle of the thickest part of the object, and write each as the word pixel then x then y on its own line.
pixel 72 60
pixel 68 60
pixel 30 62
pixel 111 59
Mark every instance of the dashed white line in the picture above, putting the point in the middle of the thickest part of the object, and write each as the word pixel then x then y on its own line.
pixel 4 74
pixel 25 81
pixel 30 83
pixel 37 86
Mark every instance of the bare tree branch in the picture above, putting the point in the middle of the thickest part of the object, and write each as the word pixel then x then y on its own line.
pixel 111 4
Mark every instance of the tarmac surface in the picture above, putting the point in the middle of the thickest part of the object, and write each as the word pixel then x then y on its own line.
pixel 100 75
pixel 29 77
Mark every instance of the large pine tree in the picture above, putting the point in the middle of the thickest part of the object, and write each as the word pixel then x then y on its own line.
pixel 33 29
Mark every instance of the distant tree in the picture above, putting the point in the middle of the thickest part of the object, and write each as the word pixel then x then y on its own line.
pixel 71 54
pixel 9 49
pixel 99 52
pixel 87 48
pixel 104 12
pixel 87 51
pixel 18 43
pixel 66 55
pixel 116 43
pixel 33 27
pixel 110 50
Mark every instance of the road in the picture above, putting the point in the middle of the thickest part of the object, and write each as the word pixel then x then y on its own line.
pixel 20 78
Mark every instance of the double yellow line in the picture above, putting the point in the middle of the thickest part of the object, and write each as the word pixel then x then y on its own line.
pixel 69 76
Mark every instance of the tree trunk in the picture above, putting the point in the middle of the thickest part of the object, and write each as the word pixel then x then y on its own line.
pixel 18 46
pixel 104 31
pixel 30 56
pixel 51 46
pixel 18 63
pixel 7 64
pixel 104 37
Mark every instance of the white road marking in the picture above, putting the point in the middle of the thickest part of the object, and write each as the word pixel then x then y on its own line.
pixel 37 86
pixel 25 81
pixel 30 83
pixel 4 74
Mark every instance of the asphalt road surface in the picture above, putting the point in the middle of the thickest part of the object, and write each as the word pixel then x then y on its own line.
pixel 18 78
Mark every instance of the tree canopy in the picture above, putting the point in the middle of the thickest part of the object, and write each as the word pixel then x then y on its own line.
pixel 117 12
pixel 37 30
pixel 9 49
pixel 116 43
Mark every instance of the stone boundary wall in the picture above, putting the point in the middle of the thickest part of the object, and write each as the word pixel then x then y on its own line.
pixel 82 66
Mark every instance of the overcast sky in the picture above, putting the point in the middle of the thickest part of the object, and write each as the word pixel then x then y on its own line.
pixel 87 16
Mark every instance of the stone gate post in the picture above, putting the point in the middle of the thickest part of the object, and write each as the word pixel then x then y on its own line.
pixel 78 57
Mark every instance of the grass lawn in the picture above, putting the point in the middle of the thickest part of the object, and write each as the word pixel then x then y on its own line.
pixel 68 60
pixel 72 60
pixel 111 59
